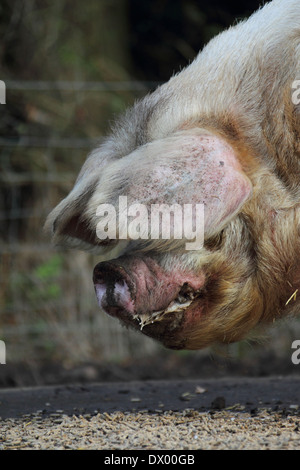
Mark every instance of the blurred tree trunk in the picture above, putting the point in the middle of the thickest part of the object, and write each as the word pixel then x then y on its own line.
pixel 114 32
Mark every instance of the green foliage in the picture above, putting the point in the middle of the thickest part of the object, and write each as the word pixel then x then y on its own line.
pixel 41 284
pixel 47 275
pixel 49 269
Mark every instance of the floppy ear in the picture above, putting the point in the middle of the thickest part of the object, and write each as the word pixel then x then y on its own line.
pixel 190 167
pixel 68 224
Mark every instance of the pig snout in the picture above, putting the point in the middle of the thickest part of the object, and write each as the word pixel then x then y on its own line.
pixel 115 290
pixel 142 294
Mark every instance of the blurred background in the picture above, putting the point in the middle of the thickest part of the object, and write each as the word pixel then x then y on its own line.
pixel 70 67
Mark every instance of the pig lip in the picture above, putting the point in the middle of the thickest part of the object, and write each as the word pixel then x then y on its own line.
pixel 179 305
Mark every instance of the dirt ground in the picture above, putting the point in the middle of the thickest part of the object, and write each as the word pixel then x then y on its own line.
pixel 181 404
pixel 231 413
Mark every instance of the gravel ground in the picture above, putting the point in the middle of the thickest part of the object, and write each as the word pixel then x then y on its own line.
pixel 185 430
pixel 233 413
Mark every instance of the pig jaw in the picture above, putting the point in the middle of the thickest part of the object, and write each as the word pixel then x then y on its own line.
pixel 182 309
pixel 146 297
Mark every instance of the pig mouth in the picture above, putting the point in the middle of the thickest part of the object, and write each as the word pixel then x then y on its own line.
pixel 184 299
pixel 144 296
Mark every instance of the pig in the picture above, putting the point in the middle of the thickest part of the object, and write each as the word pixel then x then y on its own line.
pixel 224 133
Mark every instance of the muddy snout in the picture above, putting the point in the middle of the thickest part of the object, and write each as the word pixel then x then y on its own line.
pixel 114 287
pixel 128 287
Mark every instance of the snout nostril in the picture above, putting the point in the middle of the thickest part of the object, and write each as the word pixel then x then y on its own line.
pixel 113 273
pixel 114 288
pixel 108 272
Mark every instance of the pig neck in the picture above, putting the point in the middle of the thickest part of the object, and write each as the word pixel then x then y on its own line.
pixel 274 224
pixel 273 215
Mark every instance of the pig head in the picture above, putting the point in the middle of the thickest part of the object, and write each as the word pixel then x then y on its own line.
pixel 223 134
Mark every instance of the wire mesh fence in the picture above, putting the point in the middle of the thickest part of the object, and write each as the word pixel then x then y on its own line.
pixel 48 306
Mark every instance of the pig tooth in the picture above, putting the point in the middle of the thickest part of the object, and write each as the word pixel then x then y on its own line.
pixel 142 319
pixel 175 306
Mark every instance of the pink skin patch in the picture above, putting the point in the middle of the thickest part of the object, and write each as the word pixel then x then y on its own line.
pixel 196 169
pixel 132 286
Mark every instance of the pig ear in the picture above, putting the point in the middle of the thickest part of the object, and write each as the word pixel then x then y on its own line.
pixel 68 224
pixel 218 180
pixel 192 167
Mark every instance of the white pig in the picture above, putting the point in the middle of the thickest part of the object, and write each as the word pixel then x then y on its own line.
pixel 224 133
